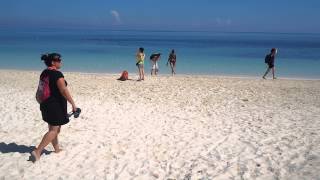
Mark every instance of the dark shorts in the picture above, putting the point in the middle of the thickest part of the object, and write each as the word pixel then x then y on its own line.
pixel 140 66
pixel 54 112
pixel 271 65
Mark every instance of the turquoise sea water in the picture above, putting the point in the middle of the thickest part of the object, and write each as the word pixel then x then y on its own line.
pixel 197 52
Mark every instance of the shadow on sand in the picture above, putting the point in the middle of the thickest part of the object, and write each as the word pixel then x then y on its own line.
pixel 13 147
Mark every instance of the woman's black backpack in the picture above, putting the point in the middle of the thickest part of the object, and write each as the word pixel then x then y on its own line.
pixel 267 59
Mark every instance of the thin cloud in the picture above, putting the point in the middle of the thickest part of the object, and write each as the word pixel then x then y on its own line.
pixel 115 14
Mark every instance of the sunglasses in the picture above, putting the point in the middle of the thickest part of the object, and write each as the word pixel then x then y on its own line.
pixel 57 60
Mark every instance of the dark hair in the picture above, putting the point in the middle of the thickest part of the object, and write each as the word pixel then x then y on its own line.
pixel 48 58
pixel 172 51
pixel 273 50
pixel 141 49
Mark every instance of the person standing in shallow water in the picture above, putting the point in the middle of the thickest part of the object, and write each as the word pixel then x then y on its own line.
pixel 269 60
pixel 140 63
pixel 54 107
pixel 172 60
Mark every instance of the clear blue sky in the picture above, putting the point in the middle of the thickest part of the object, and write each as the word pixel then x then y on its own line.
pixel 212 15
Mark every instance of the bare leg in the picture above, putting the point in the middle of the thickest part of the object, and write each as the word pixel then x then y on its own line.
pixel 47 138
pixel 142 73
pixel 55 143
pixel 152 68
pixel 139 73
pixel 273 73
pixel 172 69
pixel 265 74
pixel 153 72
pixel 156 70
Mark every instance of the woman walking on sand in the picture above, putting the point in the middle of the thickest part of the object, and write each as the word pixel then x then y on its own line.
pixel 172 60
pixel 52 95
pixel 140 62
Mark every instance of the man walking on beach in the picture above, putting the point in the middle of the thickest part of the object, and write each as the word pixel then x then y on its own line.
pixel 269 60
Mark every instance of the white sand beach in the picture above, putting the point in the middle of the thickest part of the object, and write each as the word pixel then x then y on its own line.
pixel 183 127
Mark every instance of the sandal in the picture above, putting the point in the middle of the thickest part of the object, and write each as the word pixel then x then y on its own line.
pixel 75 114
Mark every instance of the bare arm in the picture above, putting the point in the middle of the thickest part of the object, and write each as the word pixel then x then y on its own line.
pixel 65 92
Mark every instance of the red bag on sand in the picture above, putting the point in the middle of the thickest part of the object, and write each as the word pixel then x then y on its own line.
pixel 124 76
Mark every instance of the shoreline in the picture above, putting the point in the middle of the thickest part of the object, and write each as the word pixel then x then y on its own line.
pixel 178 75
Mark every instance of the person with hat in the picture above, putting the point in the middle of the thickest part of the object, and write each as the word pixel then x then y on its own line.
pixel 154 63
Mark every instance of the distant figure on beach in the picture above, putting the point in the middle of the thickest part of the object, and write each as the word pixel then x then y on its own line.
pixel 172 60
pixel 52 94
pixel 269 60
pixel 154 58
pixel 140 61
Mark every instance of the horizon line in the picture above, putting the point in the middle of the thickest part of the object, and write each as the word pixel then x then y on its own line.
pixel 155 30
